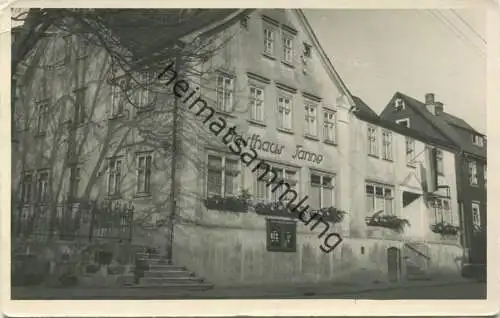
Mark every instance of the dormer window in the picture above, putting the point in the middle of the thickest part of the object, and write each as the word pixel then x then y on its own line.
pixel 399 104
pixel 477 140
pixel 404 122
pixel 307 50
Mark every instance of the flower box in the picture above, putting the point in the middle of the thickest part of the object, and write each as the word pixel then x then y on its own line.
pixel 332 214
pixel 388 221
pixel 234 204
pixel 444 228
pixel 274 209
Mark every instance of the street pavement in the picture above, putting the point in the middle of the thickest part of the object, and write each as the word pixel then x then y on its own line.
pixel 408 290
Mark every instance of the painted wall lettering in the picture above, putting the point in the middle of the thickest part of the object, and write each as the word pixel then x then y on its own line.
pixel 306 155
pixel 255 142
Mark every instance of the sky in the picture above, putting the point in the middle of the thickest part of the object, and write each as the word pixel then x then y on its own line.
pixel 380 52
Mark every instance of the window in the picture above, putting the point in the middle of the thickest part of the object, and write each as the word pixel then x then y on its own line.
pixel 472 173
pixel 379 198
pixel 224 93
pixel 476 217
pixel 145 95
pixel 43 186
pixel 43 117
pixel 27 186
pixel 281 235
pixel 311 127
pixel 264 186
pixel 307 50
pixel 268 41
pixel 223 176
pixel 74 181
pixel 117 102
pixel 372 141
pixel 410 151
pixel 256 103
pixel 442 210
pixel 329 125
pixel 144 172
pixel 80 106
pixel 285 112
pixel 322 192
pixel 477 140
pixel 114 176
pixel 484 175
pixel 399 104
pixel 386 145
pixel 404 122
pixel 440 162
pixel 287 49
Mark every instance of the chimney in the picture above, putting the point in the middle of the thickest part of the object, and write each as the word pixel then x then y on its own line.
pixel 438 108
pixel 430 103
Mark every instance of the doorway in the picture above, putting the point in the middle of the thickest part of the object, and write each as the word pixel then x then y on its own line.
pixel 393 264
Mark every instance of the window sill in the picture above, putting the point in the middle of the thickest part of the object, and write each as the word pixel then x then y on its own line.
pixel 286 131
pixel 311 137
pixel 288 64
pixel 330 142
pixel 373 156
pixel 224 113
pixel 40 135
pixel 142 110
pixel 388 159
pixel 256 122
pixel 269 56
pixel 113 197
pixel 411 165
pixel 117 116
pixel 143 195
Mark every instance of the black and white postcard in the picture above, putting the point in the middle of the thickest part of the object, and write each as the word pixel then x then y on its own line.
pixel 304 160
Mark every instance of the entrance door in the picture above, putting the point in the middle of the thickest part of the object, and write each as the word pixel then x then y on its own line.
pixel 393 264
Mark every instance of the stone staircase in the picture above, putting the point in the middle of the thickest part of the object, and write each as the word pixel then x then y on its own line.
pixel 152 271
pixel 416 262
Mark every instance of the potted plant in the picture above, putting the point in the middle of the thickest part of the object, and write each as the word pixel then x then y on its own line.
pixel 332 214
pixel 273 208
pixel 445 228
pixel 388 221
pixel 235 204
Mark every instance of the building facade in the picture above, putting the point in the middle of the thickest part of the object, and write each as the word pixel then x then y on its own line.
pixel 470 157
pixel 168 151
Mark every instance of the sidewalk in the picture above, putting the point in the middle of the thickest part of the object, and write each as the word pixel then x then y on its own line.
pixel 319 290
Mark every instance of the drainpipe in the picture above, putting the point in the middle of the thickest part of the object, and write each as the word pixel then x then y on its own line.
pixel 173 182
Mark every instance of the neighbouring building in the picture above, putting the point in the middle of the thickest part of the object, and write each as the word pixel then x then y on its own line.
pixel 81 137
pixel 401 175
pixel 469 147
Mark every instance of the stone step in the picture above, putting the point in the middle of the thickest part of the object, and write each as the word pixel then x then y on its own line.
pixel 177 287
pixel 168 273
pixel 148 256
pixel 164 267
pixel 170 280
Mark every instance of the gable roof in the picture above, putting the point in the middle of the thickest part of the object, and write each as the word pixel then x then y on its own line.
pixel 134 27
pixel 327 64
pixel 465 144
pixel 458 122
pixel 365 113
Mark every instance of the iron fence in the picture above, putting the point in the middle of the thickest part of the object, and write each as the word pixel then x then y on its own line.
pixel 73 220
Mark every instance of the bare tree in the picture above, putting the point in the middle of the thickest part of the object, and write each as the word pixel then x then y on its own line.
pixel 87 94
